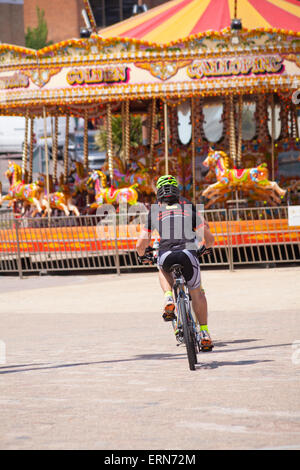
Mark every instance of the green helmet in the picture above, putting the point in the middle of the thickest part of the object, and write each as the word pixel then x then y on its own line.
pixel 167 189
pixel 166 179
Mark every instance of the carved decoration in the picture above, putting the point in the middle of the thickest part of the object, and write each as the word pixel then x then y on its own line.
pixel 41 77
pixel 163 70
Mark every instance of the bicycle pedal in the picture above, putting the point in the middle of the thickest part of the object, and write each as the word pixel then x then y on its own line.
pixel 169 316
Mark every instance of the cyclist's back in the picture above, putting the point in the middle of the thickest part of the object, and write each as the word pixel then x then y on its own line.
pixel 176 223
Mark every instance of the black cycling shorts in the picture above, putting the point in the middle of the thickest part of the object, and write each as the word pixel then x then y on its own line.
pixel 187 259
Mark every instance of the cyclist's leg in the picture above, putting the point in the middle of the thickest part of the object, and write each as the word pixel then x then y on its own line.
pixel 166 283
pixel 199 304
pixel 199 301
pixel 193 281
pixel 165 262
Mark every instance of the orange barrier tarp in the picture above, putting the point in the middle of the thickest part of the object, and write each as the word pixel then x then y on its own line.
pixel 107 238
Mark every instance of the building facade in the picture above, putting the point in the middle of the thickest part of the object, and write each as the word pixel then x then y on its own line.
pixel 12 22
pixel 64 18
pixel 108 12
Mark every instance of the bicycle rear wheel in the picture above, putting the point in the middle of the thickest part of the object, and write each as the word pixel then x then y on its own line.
pixel 188 335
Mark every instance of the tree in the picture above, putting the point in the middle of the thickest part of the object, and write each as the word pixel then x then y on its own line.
pixel 135 134
pixel 36 38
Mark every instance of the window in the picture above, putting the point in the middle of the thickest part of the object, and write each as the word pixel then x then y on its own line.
pixel 108 12
pixel 277 121
pixel 112 12
pixel 98 9
pixel 128 8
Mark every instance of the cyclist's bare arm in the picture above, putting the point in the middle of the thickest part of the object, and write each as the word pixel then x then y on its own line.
pixel 209 239
pixel 204 235
pixel 143 242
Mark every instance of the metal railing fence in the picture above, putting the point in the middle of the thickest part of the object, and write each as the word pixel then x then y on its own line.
pixel 262 235
pixel 242 236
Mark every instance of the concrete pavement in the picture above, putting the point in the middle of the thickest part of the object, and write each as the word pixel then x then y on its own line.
pixel 87 363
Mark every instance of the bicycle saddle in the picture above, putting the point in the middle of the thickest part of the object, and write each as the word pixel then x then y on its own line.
pixel 176 267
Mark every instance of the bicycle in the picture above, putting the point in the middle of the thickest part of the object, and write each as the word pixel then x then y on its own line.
pixel 185 326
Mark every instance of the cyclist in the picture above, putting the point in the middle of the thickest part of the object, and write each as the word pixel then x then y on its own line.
pixel 178 225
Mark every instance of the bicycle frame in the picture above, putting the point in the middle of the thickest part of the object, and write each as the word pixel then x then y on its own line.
pixel 185 323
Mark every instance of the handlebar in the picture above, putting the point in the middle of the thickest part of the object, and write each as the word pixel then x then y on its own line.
pixel 203 251
pixel 148 257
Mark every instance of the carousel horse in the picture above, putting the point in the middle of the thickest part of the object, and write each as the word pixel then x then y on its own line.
pixel 80 176
pixel 293 189
pixel 132 173
pixel 118 167
pixel 110 195
pixel 135 175
pixel 29 194
pixel 294 186
pixel 254 180
pixel 60 198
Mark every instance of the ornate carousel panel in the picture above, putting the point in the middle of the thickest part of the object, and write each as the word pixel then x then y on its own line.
pixel 94 69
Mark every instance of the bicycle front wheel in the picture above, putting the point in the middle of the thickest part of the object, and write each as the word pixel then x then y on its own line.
pixel 188 335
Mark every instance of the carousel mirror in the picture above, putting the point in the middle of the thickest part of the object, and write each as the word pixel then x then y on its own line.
pixel 184 122
pixel 277 122
pixel 213 123
pixel 248 120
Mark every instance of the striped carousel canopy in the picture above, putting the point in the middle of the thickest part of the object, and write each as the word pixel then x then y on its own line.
pixel 179 19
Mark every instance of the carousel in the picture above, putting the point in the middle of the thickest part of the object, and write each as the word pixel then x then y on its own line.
pixel 215 92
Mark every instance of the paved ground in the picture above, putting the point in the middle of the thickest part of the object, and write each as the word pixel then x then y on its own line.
pixel 87 363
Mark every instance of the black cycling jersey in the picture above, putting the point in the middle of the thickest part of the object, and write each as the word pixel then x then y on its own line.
pixel 184 200
pixel 176 225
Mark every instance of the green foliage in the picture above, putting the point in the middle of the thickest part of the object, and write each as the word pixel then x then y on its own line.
pixel 36 38
pixel 135 134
